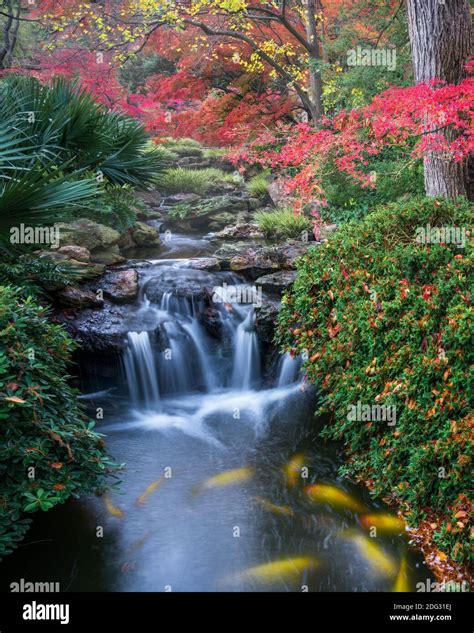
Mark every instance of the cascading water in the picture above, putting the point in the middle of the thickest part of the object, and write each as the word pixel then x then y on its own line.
pixel 141 370
pixel 187 359
pixel 246 370
pixel 288 370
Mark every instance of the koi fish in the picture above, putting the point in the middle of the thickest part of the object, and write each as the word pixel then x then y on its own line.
pixel 287 569
pixel 401 583
pixel 323 493
pixel 293 469
pixel 381 563
pixel 272 507
pixel 226 478
pixel 154 484
pixel 111 509
pixel 386 523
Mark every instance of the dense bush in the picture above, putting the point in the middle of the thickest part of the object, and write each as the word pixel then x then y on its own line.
pixel 386 320
pixel 48 449
pixel 395 179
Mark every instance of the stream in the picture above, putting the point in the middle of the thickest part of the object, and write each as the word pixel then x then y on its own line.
pixel 193 400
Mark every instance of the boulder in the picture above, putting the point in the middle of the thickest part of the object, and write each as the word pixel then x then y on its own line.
pixel 212 322
pixel 120 286
pixel 74 297
pixel 245 230
pixel 265 320
pixel 277 283
pixel 180 198
pixel 88 234
pixel 145 235
pixel 108 256
pixel 78 253
pixel 205 263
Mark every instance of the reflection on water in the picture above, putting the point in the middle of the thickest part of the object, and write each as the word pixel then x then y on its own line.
pixel 228 486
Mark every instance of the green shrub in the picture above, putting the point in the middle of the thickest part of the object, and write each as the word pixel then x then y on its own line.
pixel 386 320
pixel 396 178
pixel 258 185
pixel 283 223
pixel 199 181
pixel 48 449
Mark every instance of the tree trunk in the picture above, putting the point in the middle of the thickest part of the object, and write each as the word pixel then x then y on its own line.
pixel 441 38
pixel 315 88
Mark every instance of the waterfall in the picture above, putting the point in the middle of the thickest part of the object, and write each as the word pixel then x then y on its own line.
pixel 246 370
pixel 288 370
pixel 140 370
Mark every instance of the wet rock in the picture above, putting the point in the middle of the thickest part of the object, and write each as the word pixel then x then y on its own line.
pixel 265 320
pixel 277 283
pixel 98 330
pixel 145 235
pixel 212 322
pixel 120 286
pixel 78 253
pixel 190 284
pixel 205 263
pixel 74 297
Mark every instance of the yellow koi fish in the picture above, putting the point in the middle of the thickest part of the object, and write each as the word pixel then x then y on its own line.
pixel 153 486
pixel 111 509
pixel 272 507
pixel 226 478
pixel 287 569
pixel 401 583
pixel 381 563
pixel 322 493
pixel 386 523
pixel 293 469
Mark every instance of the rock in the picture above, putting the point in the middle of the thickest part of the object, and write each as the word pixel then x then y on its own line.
pixel 84 270
pixel 145 235
pixel 74 297
pixel 205 263
pixel 327 230
pixel 98 330
pixel 149 214
pixel 78 253
pixel 180 198
pixel 276 191
pixel 239 232
pixel 185 283
pixel 277 283
pixel 108 256
pixel 265 320
pixel 212 322
pixel 120 286
pixel 88 234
